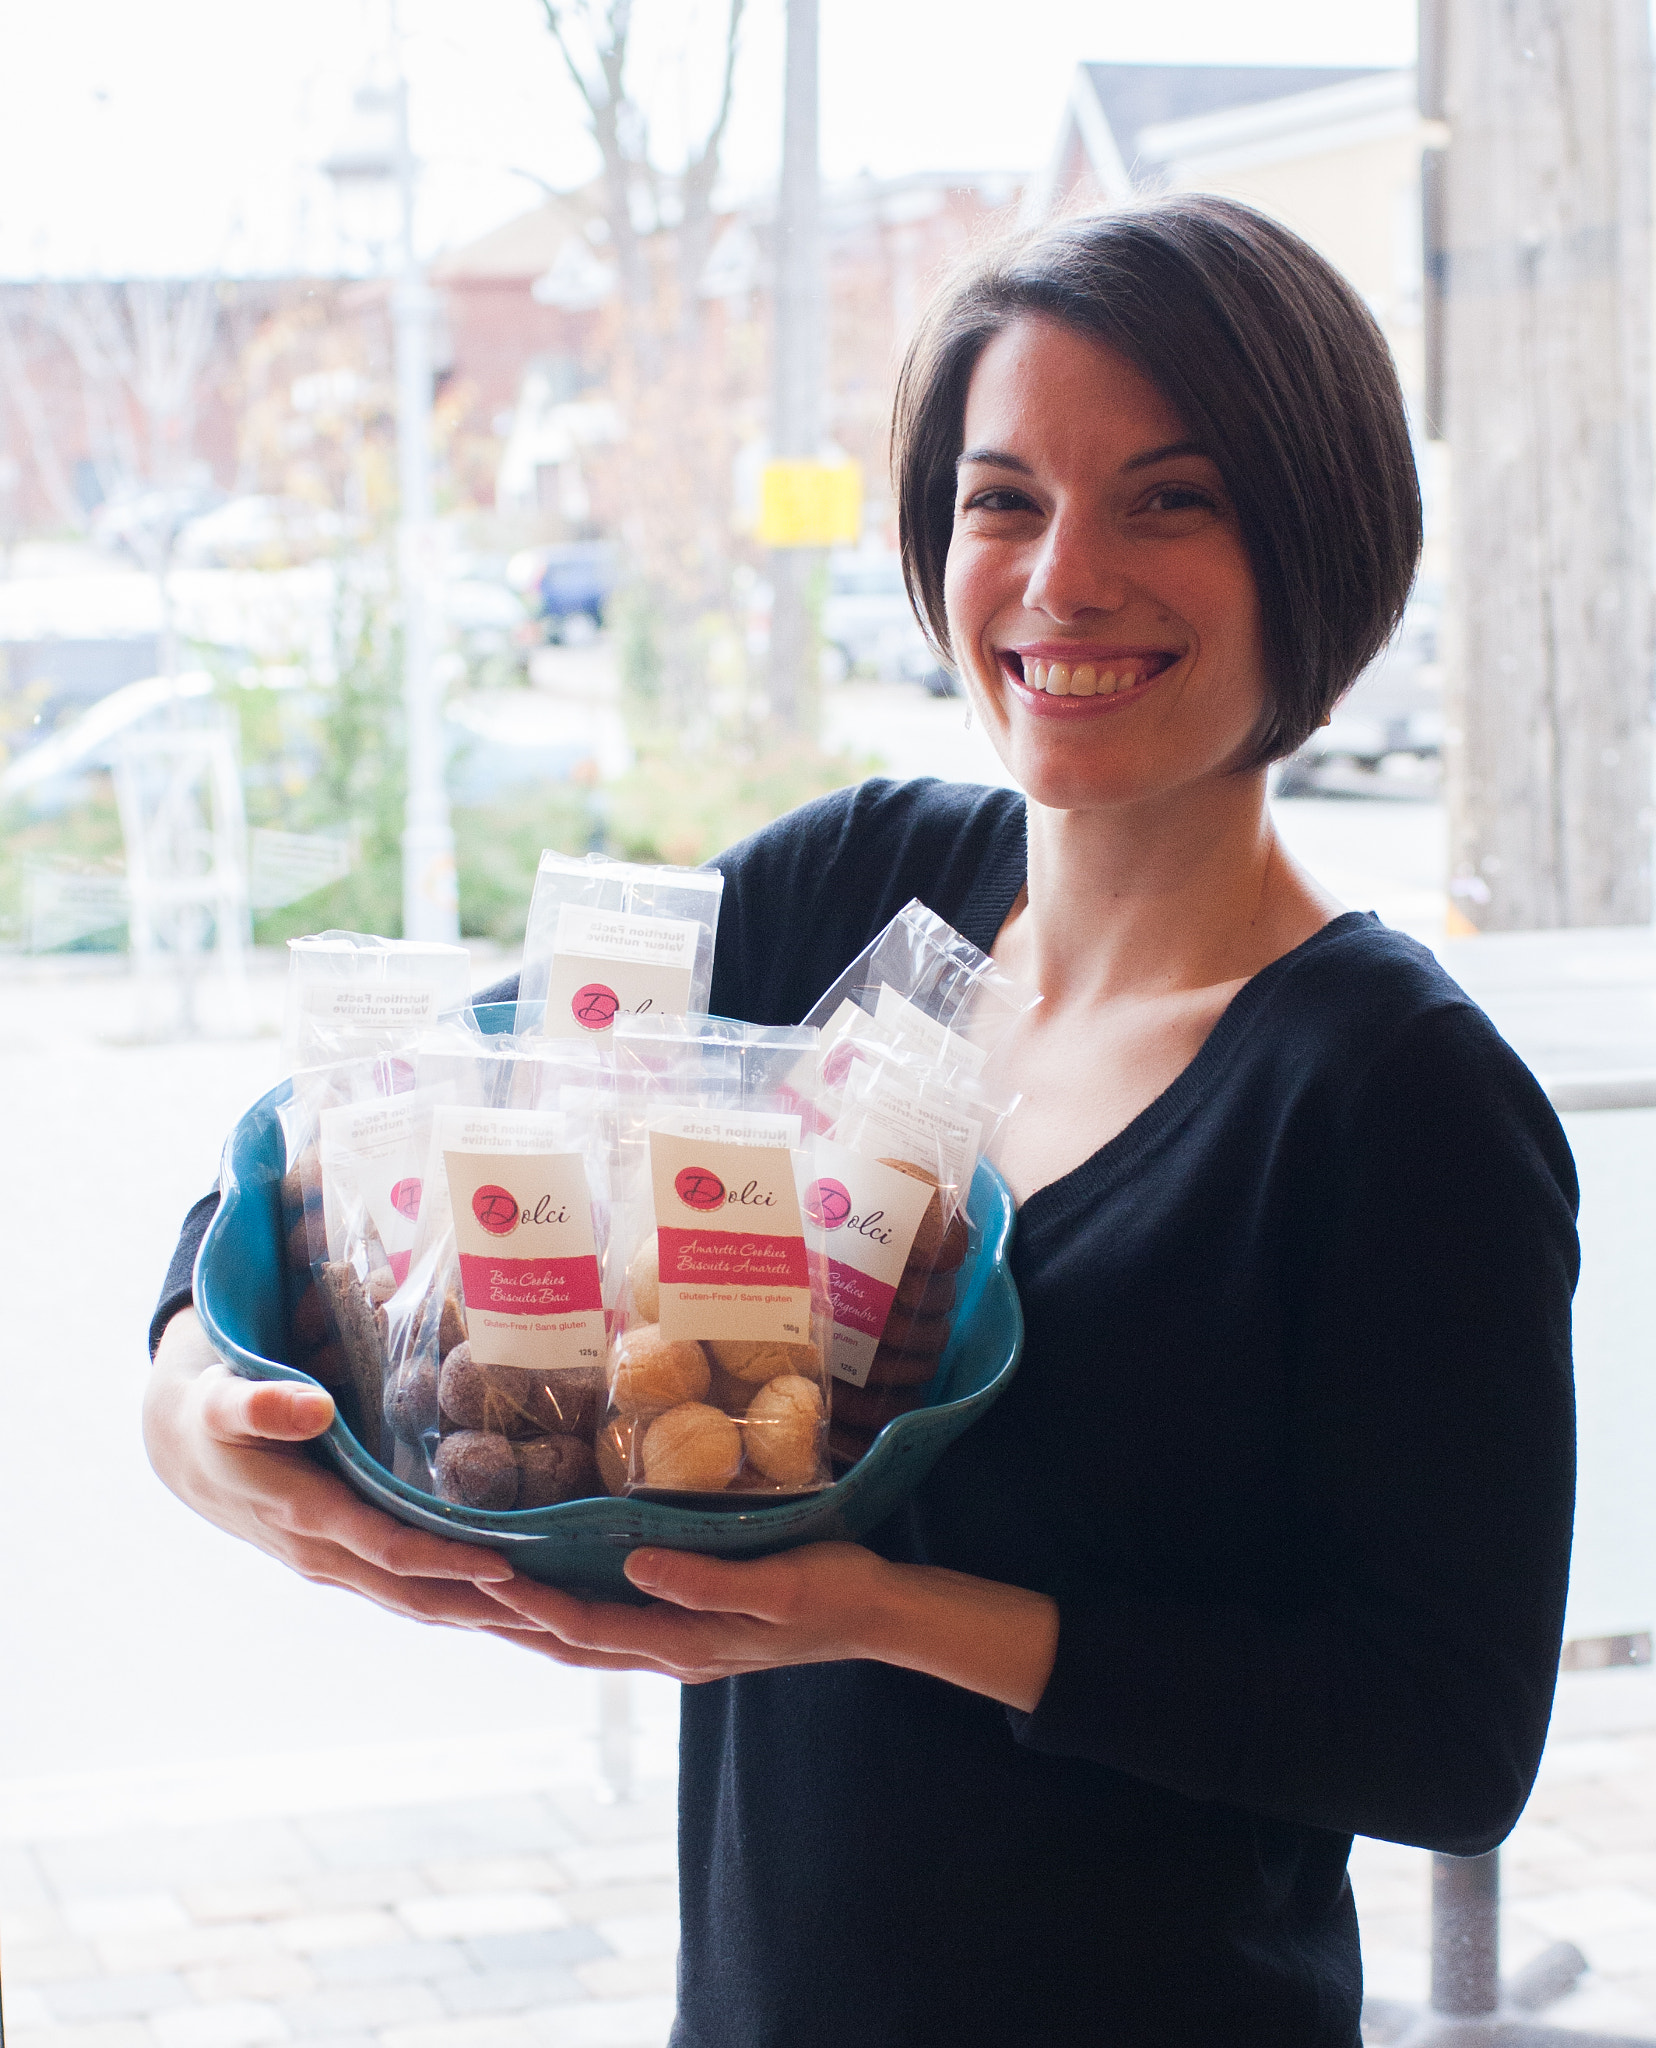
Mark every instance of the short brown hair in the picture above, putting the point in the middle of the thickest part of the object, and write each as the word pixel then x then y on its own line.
pixel 1277 369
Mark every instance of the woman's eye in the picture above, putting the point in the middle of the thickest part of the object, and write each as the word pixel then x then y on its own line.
pixel 1180 498
pixel 997 501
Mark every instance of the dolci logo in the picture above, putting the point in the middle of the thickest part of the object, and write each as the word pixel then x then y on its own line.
pixel 697 1188
pixel 828 1203
pixel 497 1210
pixel 594 1007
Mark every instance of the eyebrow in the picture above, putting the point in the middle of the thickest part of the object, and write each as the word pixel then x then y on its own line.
pixel 998 458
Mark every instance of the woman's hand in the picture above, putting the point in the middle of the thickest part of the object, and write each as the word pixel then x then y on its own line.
pixel 231 1449
pixel 711 1618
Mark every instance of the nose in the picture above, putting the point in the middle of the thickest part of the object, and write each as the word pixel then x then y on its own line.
pixel 1076 569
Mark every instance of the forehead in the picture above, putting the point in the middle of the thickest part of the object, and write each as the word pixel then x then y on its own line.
pixel 1040 387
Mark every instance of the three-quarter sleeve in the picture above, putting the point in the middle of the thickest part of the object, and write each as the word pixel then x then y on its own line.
pixel 1401 1688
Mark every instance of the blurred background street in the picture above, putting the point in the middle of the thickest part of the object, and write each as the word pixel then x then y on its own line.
pixel 428 436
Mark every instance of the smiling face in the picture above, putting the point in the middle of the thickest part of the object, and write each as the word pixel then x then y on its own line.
pixel 1101 605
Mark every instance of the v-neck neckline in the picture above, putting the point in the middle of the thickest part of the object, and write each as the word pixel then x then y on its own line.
pixel 993 892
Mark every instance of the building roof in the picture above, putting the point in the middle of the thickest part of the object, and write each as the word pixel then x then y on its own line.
pixel 523 247
pixel 1133 97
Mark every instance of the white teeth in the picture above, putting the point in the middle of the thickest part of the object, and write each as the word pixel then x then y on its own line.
pixel 1086 679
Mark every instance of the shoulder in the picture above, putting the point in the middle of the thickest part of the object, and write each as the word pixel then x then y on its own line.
pixel 944 828
pixel 805 894
pixel 1382 1049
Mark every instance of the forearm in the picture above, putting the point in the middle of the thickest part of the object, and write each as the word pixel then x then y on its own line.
pixel 997 1640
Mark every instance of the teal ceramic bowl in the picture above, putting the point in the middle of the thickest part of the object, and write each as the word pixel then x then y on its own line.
pixel 580 1546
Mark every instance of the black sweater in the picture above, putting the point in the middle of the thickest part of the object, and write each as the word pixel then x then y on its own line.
pixel 1291 1446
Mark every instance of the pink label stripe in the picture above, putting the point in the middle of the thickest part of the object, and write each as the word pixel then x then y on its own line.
pixel 530 1287
pixel 399 1265
pixel 732 1258
pixel 859 1302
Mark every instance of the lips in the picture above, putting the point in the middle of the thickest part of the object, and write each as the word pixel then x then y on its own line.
pixel 1095 675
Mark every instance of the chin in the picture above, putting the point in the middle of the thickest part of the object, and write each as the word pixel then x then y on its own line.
pixel 1066 784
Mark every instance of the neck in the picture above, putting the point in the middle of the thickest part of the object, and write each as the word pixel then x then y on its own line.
pixel 1181 891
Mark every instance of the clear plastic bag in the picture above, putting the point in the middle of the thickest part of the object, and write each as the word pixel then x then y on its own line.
pixel 350 994
pixel 907 1031
pixel 496 1341
pixel 926 987
pixel 357 1134
pixel 609 938
pixel 905 1135
pixel 718 1383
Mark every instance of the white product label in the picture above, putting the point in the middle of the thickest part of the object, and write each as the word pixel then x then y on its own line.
pixel 346 1006
pixel 731 1240
pixel 731 1126
pixel 865 1216
pixel 528 1258
pixel 610 963
pixel 911 1025
pixel 456 1128
pixel 373 1153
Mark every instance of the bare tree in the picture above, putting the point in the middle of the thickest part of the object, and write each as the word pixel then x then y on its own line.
pixel 141 349
pixel 29 407
pixel 671 376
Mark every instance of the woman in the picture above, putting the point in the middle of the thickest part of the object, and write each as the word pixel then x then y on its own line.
pixel 1267 1543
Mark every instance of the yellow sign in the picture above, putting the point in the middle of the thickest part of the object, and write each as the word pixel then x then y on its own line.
pixel 810 504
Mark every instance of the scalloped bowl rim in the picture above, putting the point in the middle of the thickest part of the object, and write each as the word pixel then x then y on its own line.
pixel 629 1519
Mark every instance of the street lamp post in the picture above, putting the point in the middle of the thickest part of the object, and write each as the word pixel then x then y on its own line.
pixel 379 166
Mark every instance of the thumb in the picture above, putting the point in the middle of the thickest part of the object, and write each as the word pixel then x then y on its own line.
pixel 241 1411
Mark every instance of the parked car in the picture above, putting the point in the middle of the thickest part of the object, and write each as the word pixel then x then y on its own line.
pixel 868 624
pixel 566 585
pixel 1386 735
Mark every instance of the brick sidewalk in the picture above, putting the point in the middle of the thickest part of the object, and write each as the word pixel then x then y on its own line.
pixel 489 1899
pixel 504 1918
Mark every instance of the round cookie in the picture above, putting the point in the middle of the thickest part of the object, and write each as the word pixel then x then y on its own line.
pixel 498 1399
pixel 890 1368
pixel 411 1401
pixel 476 1469
pixel 614 1451
pixel 907 1330
pixel 451 1325
pixel 299 1245
pixel 755 1362
pixel 644 1279
pixel 310 1318
pixel 936 1248
pixel 781 1429
pixel 553 1469
pixel 649 1373
pixel 933 1294
pixel 692 1449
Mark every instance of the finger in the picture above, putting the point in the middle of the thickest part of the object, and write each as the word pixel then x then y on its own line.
pixel 577 1621
pixel 439 1601
pixel 660 1634
pixel 250 1412
pixel 560 1652
pixel 311 1503
pixel 713 1585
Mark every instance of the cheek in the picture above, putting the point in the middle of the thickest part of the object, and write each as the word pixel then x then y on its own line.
pixel 966 600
